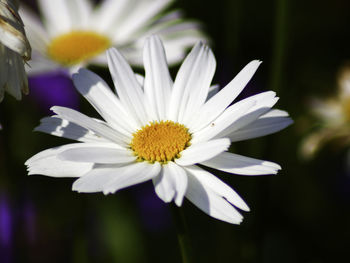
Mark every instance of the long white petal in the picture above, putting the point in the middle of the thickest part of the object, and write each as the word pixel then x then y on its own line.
pixel 99 128
pixel 213 90
pixel 263 105
pixel 128 88
pixel 197 85
pixel 139 16
pixel 90 153
pixel 133 174
pixel 177 36
pixel 271 122
pixel 80 13
pixel 211 203
pixel 238 164
pixel 100 96
pixel 171 183
pixel 217 186
pixel 163 186
pixel 56 15
pixel 203 151
pixel 218 103
pixel 48 163
pixel 227 118
pixel 179 94
pixel 57 126
pixel 108 13
pixel 158 82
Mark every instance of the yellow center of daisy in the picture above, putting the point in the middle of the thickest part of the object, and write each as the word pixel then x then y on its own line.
pixel 76 46
pixel 160 141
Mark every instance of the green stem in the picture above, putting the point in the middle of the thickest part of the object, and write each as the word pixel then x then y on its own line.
pixel 181 229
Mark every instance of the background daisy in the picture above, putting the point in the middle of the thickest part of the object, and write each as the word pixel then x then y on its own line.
pixel 332 118
pixel 73 33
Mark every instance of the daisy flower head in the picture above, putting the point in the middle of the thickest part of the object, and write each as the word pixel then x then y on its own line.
pixel 333 117
pixel 157 129
pixel 75 33
pixel 14 51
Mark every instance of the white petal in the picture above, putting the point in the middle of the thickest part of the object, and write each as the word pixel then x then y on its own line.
pixel 163 186
pixel 187 72
pixel 213 90
pixel 80 13
pixel 197 85
pixel 138 17
pixel 158 81
pixel 57 126
pixel 268 123
pixel 108 14
pixel 227 118
pixel 128 89
pixel 264 101
pixel 180 38
pixel 218 103
pixel 97 179
pixel 133 174
pixel 48 163
pixel 177 38
pixel 275 113
pixel 56 15
pixel 98 153
pixel 217 186
pixel 35 31
pixel 100 96
pixel 238 164
pixel 211 203
pixel 140 79
pixel 99 128
pixel 171 183
pixel 203 151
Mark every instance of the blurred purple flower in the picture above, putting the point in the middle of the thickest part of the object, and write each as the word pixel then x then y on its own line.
pixel 5 222
pixel 53 89
pixel 154 212
pixel 5 230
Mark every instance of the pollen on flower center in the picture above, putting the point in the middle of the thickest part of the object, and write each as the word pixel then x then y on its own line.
pixel 160 141
pixel 76 46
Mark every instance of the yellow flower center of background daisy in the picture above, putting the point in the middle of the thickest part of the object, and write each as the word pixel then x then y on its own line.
pixel 77 46
pixel 160 141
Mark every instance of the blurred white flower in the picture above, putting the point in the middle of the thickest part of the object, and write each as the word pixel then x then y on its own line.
pixel 14 51
pixel 160 129
pixel 333 116
pixel 74 33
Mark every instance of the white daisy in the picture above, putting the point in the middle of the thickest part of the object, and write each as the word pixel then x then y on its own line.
pixel 14 51
pixel 160 129
pixel 74 33
pixel 333 118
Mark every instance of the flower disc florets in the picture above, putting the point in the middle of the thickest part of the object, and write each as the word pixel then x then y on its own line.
pixel 76 46
pixel 160 141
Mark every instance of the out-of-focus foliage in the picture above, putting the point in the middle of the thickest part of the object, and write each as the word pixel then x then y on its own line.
pixel 300 215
